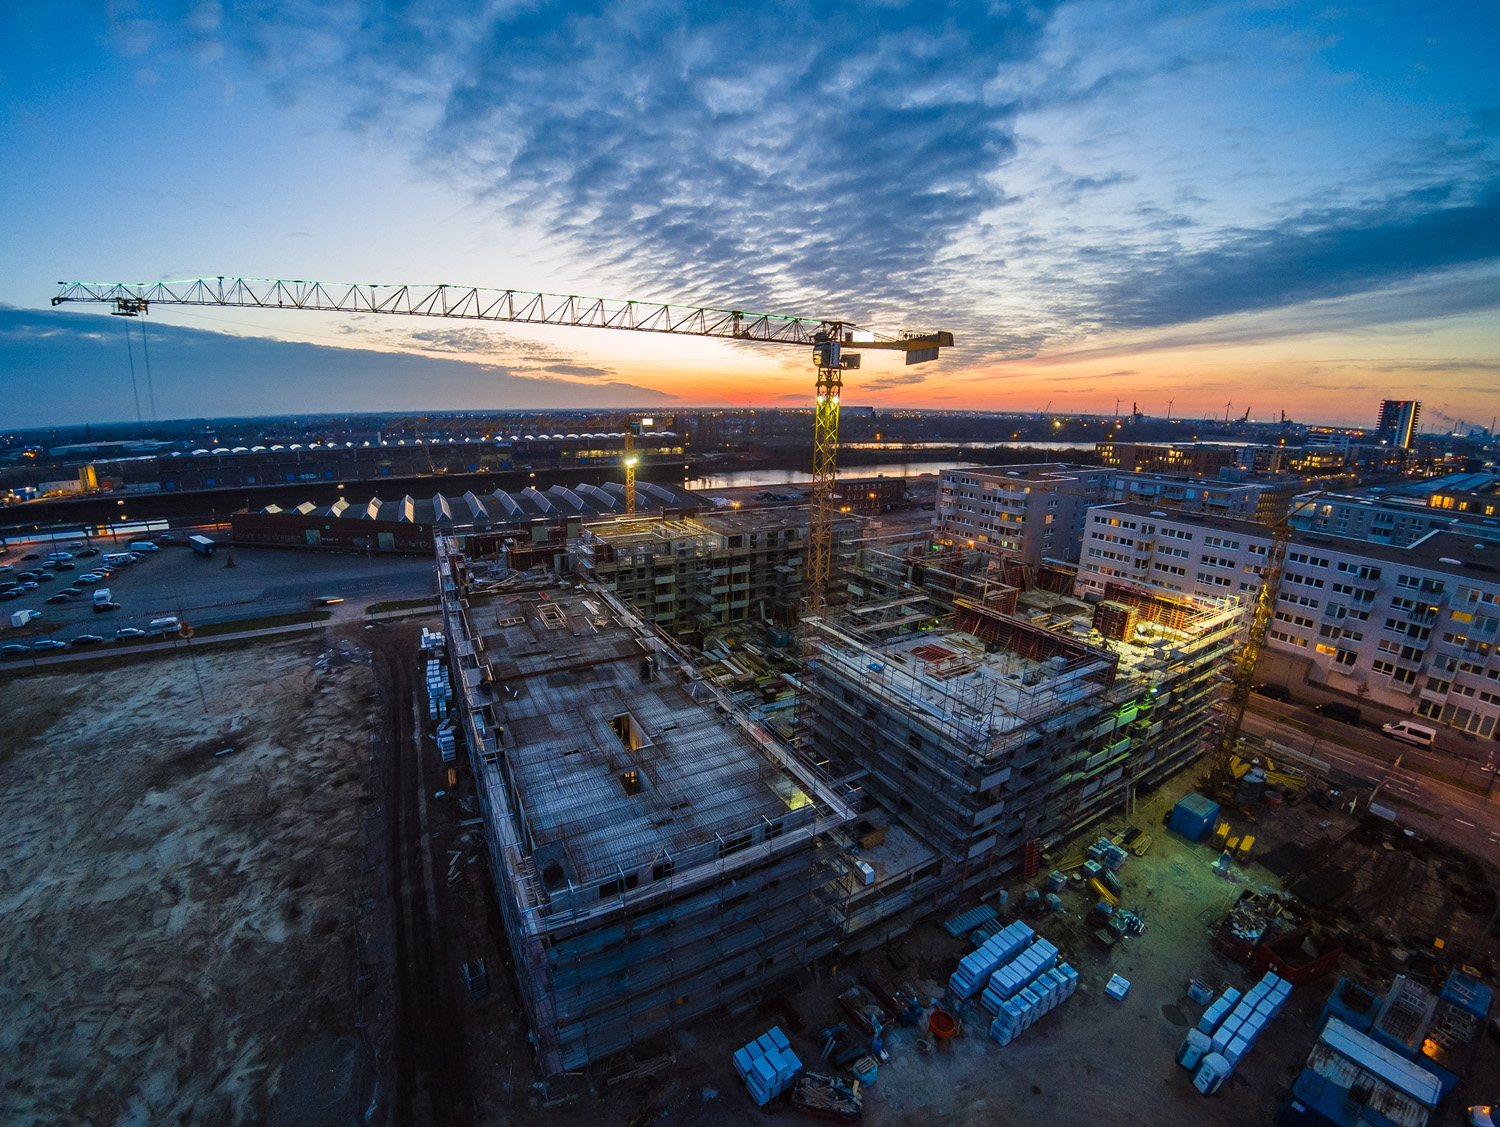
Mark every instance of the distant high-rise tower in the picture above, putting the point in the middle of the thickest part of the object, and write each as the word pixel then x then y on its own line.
pixel 1398 422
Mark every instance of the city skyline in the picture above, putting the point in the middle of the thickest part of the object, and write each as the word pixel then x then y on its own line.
pixel 1292 209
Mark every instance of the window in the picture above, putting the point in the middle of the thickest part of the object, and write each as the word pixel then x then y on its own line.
pixel 1216 542
pixel 1304 558
pixel 663 869
pixel 1347 657
pixel 1363 571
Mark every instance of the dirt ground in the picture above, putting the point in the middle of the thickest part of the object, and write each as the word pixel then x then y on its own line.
pixel 178 925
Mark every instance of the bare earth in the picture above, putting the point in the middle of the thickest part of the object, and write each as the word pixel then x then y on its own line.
pixel 176 925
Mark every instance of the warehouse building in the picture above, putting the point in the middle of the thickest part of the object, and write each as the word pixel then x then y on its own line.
pixel 408 524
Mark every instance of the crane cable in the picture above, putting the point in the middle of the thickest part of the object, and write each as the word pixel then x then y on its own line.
pixel 150 388
pixel 134 390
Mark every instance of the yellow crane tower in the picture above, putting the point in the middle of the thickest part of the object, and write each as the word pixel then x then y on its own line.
pixel 827 337
pixel 1221 779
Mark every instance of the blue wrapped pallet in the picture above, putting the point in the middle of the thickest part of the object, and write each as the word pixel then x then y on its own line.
pixel 767 1065
pixel 1193 817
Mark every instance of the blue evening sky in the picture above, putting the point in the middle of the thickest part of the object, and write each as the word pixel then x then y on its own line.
pixel 1278 205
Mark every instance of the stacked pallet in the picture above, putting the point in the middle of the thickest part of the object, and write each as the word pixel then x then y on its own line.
pixel 432 640
pixel 439 691
pixel 1046 993
pixel 975 969
pixel 1019 972
pixel 445 740
pixel 1231 1024
pixel 767 1065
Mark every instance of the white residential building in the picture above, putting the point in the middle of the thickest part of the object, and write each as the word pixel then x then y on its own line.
pixel 1035 512
pixel 1414 628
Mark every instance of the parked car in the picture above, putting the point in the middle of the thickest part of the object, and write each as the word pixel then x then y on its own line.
pixel 32 556
pixel 12 593
pixel 14 650
pixel 100 608
pixel 48 644
pixel 88 640
pixel 89 552
pixel 75 543
pixel 63 565
pixel 28 585
pixel 166 538
pixel 1272 690
pixel 61 597
pixel 45 577
pixel 130 632
pixel 1338 710
pixel 1418 735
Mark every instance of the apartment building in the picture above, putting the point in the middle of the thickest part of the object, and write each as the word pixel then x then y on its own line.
pixel 1404 513
pixel 1260 500
pixel 1032 512
pixel 1413 627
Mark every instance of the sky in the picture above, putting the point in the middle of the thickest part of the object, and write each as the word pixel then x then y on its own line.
pixel 1195 207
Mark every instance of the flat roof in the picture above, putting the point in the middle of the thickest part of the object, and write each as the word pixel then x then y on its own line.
pixel 579 717
pixel 1476 559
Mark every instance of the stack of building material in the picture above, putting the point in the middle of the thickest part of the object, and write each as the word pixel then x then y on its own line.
pixel 439 691
pixel 1018 972
pixel 970 920
pixel 1108 854
pixel 445 740
pixel 976 968
pixel 432 641
pixel 1234 1022
pixel 767 1065
pixel 1017 1014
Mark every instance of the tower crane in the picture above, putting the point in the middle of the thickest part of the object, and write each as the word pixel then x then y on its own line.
pixel 827 337
pixel 1221 771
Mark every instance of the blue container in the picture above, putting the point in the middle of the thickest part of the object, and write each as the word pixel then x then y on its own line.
pixel 1194 816
pixel 1352 1004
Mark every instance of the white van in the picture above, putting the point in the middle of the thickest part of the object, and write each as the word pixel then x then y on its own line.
pixel 1407 732
pixel 143 546
pixel 163 627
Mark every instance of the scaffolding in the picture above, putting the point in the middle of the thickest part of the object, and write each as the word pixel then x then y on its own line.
pixel 657 851
pixel 1014 721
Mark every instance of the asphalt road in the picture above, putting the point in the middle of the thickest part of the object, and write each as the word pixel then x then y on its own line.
pixel 202 590
pixel 1412 781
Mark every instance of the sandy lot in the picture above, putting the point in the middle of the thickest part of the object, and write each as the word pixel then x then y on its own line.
pixel 177 926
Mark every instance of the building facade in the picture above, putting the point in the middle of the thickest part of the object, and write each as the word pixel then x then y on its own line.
pixel 1033 512
pixel 1414 628
pixel 1398 423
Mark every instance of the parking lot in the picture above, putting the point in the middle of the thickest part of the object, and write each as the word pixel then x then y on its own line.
pixel 232 584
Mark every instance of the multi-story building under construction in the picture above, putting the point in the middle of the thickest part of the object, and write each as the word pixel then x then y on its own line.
pixel 695 574
pixel 1023 718
pixel 657 853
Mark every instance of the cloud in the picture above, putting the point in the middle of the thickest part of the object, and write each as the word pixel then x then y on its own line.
pixel 582 371
pixel 899 379
pixel 67 368
pixel 1315 255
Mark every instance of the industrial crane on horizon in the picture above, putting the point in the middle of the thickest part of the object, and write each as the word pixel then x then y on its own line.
pixel 827 337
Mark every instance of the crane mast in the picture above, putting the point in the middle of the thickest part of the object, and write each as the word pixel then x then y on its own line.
pixel 1221 771
pixel 825 337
